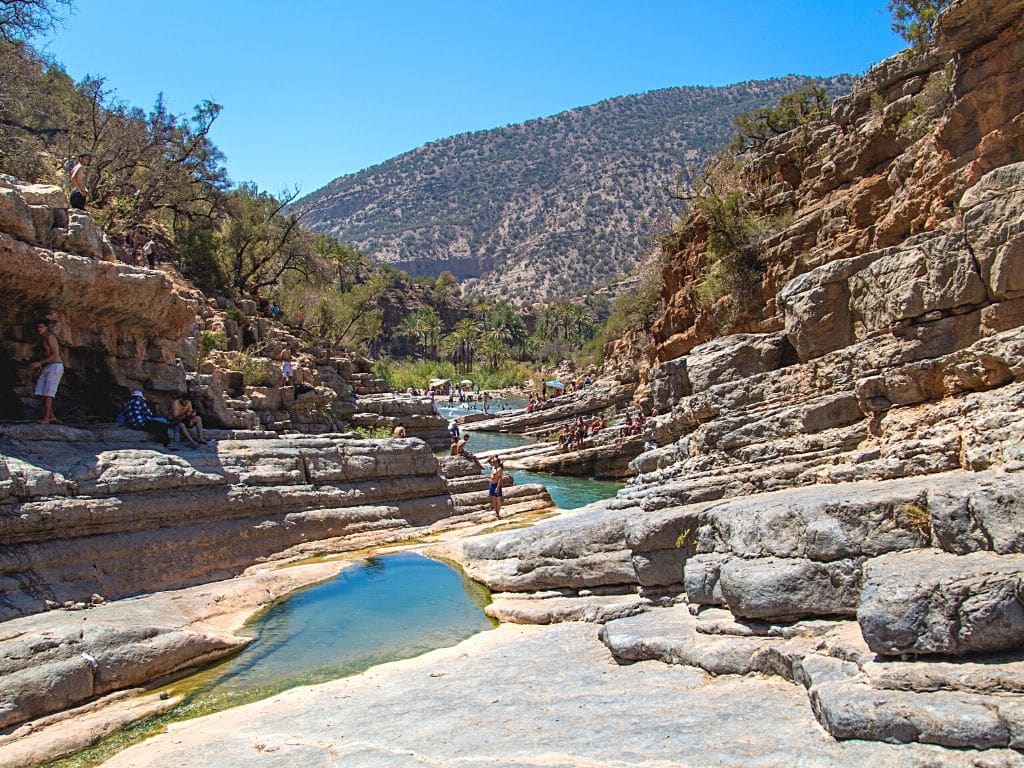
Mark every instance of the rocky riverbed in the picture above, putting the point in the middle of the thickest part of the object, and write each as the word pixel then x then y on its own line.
pixel 529 696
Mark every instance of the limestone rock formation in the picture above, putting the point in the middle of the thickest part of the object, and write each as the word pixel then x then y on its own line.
pixel 119 326
pixel 840 502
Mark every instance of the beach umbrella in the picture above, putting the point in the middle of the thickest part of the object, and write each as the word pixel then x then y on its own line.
pixel 555 383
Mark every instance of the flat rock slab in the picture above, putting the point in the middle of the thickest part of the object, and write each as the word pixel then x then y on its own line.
pixel 526 696
pixel 554 610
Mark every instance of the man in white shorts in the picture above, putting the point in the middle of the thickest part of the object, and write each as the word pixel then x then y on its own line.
pixel 51 369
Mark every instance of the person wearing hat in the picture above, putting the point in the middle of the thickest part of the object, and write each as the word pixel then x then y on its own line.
pixel 136 414
pixel 78 189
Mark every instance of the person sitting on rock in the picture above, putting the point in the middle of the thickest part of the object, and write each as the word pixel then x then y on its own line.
pixel 137 414
pixel 399 433
pixel 184 417
pixel 460 450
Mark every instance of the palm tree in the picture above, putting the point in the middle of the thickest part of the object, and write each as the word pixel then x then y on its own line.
pixel 432 327
pixel 494 351
pixel 466 333
pixel 579 317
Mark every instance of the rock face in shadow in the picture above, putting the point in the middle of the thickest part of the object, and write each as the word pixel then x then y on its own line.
pixel 120 326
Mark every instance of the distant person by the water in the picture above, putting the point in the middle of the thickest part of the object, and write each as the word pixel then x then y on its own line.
pixel 487 400
pixel 494 487
pixel 79 192
pixel 460 450
pixel 399 433
pixel 51 369
pixel 453 428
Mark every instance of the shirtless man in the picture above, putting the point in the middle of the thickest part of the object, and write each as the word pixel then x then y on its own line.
pixel 399 433
pixel 459 449
pixel 78 190
pixel 51 369
pixel 494 485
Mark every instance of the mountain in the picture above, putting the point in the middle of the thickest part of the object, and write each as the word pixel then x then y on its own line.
pixel 546 208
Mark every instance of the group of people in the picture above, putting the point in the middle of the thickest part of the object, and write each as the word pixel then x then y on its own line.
pixel 137 414
pixel 572 436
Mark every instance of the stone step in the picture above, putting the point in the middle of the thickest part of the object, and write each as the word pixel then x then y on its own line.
pixel 555 608
pixel 975 705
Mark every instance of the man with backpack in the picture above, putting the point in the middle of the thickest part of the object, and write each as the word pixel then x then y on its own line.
pixel 77 173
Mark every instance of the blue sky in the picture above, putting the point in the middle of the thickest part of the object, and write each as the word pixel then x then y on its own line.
pixel 314 89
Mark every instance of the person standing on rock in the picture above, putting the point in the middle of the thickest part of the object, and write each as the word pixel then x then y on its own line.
pixel 494 486
pixel 78 188
pixel 149 251
pixel 51 369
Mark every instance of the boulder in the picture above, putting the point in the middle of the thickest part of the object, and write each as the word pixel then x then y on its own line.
pixel 936 602
pixel 935 275
pixel 82 236
pixel 786 589
pixel 738 356
pixel 581 550
pixel 816 306
pixel 15 216
pixel 669 383
pixel 994 228
pixel 49 195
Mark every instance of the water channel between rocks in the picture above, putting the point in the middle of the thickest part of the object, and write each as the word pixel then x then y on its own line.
pixel 379 610
pixel 567 492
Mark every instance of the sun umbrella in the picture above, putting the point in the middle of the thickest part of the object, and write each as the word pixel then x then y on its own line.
pixel 555 383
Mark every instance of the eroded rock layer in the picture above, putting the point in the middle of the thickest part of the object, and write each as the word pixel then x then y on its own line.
pixel 838 499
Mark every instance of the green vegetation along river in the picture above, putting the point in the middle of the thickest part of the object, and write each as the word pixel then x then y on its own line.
pixel 380 610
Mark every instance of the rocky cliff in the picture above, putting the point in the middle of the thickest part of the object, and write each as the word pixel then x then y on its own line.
pixel 838 497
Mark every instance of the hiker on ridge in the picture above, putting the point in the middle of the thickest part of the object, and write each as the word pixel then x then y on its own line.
pixel 78 188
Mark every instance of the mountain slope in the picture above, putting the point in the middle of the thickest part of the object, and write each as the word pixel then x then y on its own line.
pixel 546 208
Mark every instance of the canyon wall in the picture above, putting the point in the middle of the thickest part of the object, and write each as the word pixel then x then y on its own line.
pixel 838 497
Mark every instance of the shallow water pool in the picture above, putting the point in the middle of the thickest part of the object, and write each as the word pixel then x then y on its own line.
pixel 379 610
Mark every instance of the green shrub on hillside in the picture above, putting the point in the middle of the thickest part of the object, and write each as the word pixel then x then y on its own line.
pixel 794 110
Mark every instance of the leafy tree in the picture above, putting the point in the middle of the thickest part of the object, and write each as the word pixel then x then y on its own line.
pixel 914 20
pixel 461 344
pixel 445 286
pixel 794 110
pixel 494 352
pixel 349 262
pixel 261 241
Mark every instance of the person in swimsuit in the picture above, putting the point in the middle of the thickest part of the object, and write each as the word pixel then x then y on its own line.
pixel 184 417
pixel 494 487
